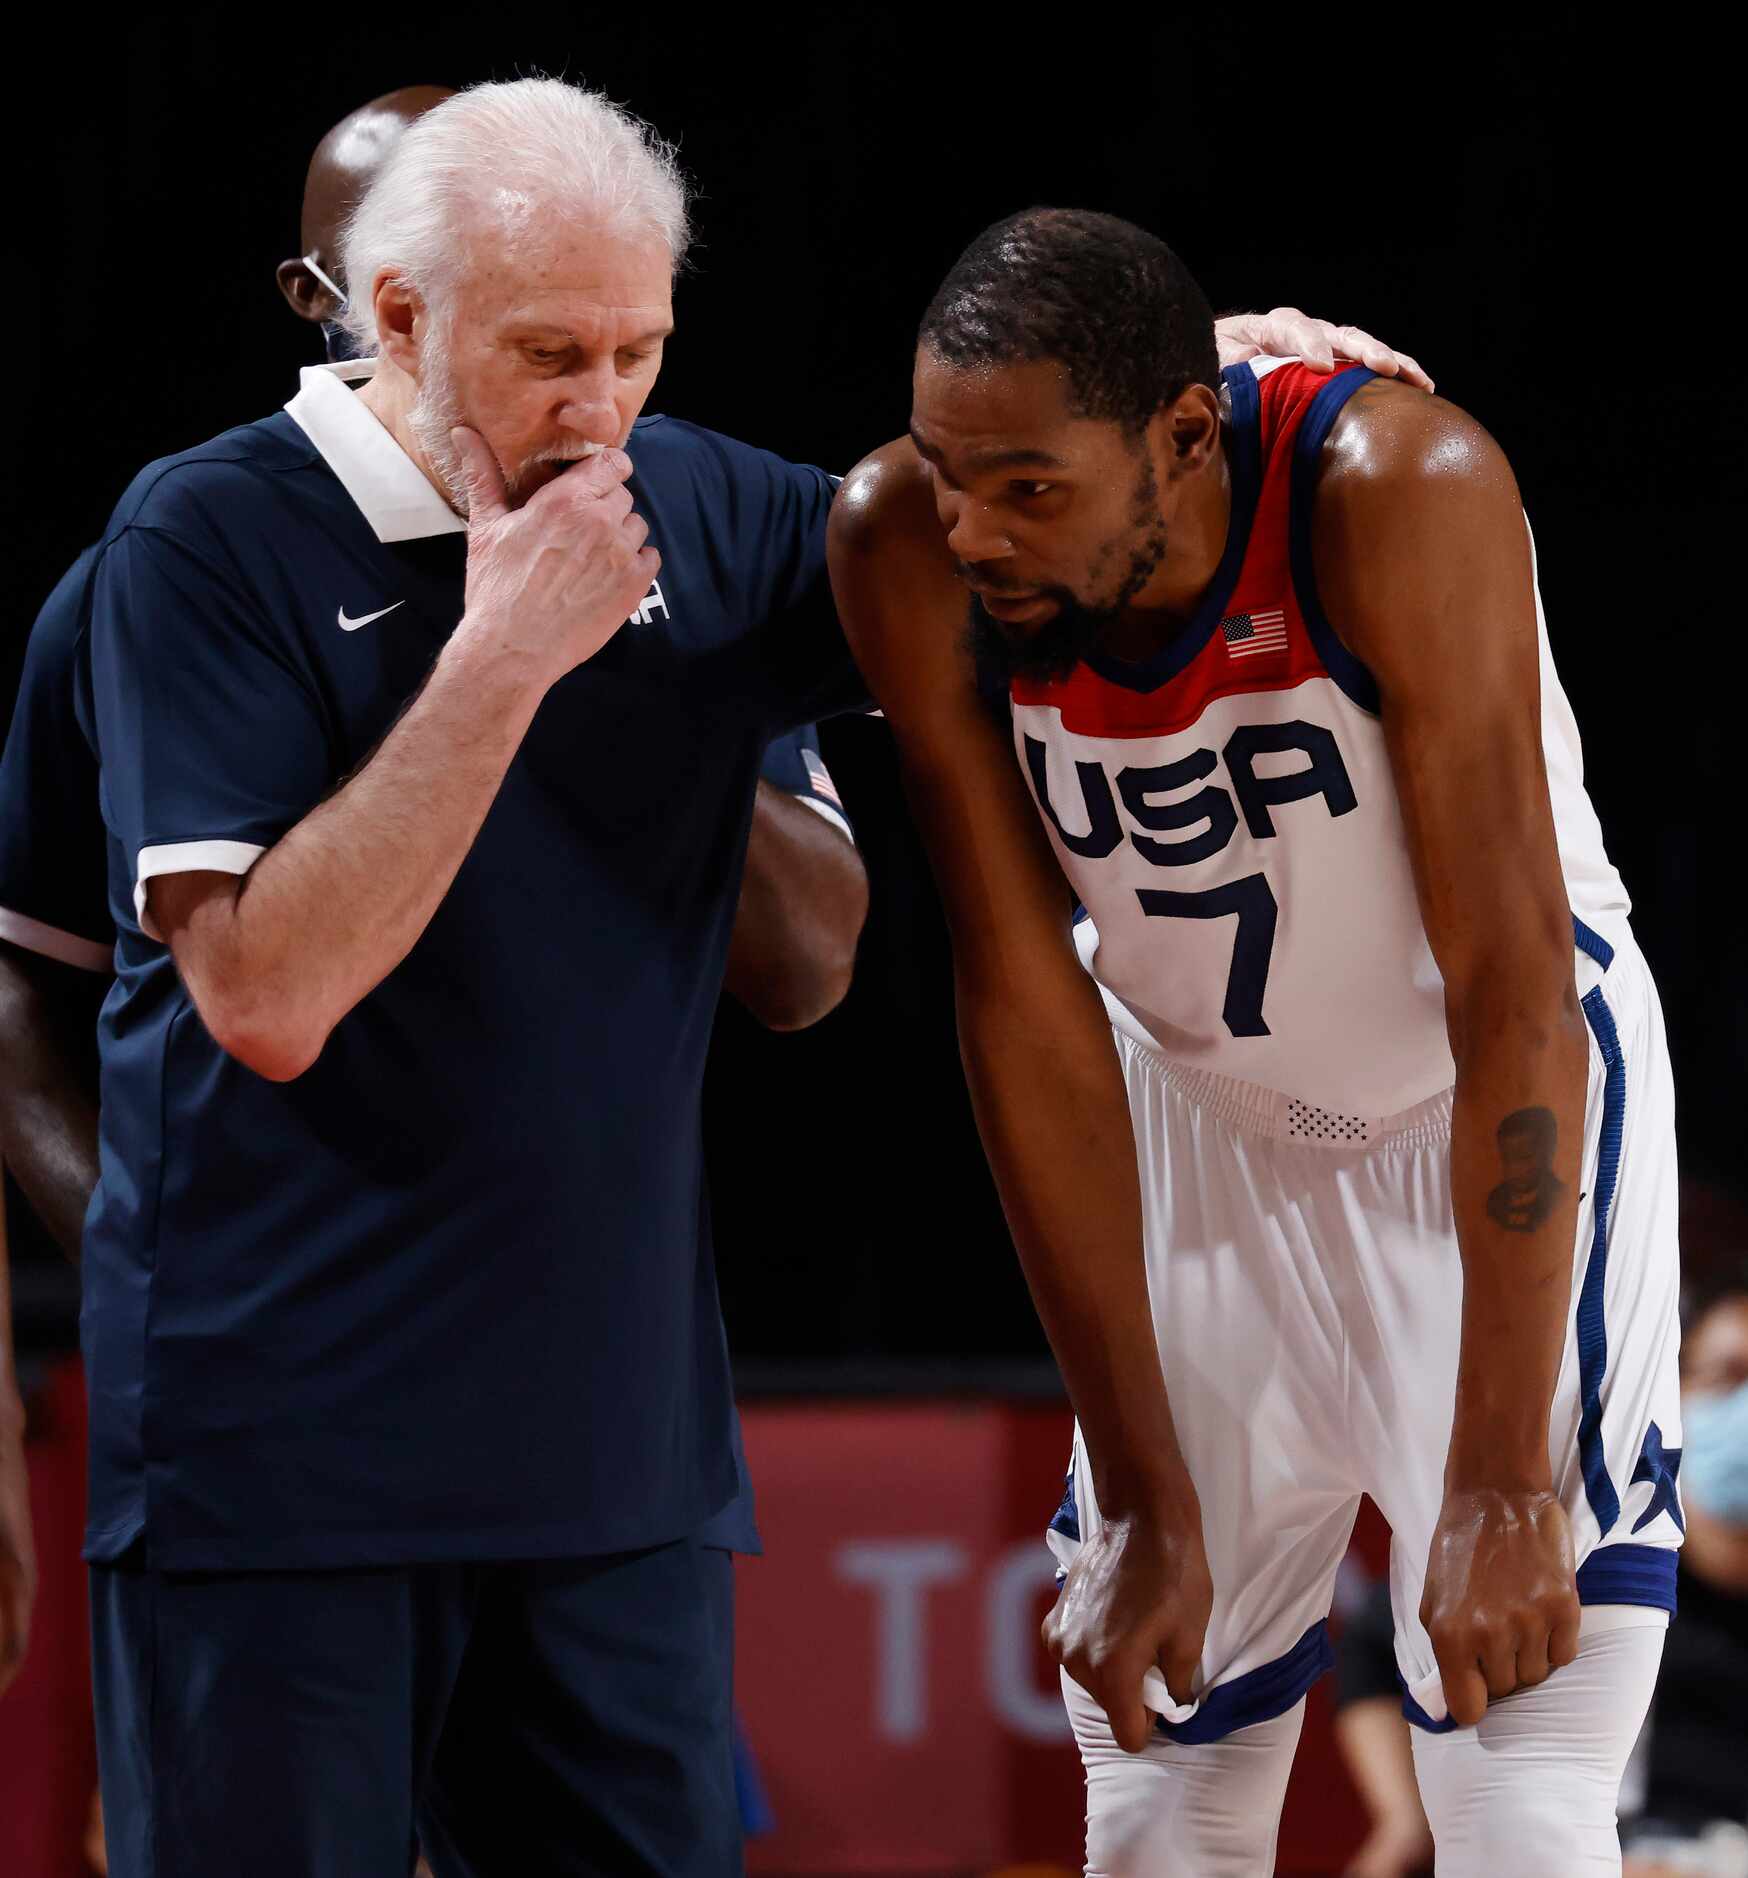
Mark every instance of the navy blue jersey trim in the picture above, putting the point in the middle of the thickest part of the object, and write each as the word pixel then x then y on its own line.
pixel 1592 944
pixel 1592 1332
pixel 1258 1695
pixel 1413 1712
pixel 1246 434
pixel 1067 1520
pixel 1629 1574
pixel 1347 671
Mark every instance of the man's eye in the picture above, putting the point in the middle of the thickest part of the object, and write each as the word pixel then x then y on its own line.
pixel 628 359
pixel 1032 489
pixel 541 356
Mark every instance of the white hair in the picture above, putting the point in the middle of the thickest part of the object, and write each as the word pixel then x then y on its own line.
pixel 512 154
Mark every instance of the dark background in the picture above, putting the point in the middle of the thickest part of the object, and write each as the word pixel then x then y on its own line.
pixel 1547 222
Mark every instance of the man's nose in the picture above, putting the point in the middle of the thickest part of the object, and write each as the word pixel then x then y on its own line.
pixel 972 533
pixel 587 408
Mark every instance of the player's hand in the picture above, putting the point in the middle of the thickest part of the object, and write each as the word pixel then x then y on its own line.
pixel 1501 1600
pixel 17 1554
pixel 1287 333
pixel 555 579
pixel 1136 1598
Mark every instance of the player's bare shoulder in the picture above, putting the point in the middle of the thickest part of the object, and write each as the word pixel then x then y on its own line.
pixel 886 507
pixel 900 601
pixel 1412 493
pixel 1393 436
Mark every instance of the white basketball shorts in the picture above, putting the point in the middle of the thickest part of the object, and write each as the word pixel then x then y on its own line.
pixel 1307 1295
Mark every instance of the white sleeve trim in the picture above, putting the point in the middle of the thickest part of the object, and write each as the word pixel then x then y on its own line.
pixel 831 815
pixel 34 936
pixel 188 857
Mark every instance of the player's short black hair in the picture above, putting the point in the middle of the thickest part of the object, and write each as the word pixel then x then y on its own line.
pixel 1106 299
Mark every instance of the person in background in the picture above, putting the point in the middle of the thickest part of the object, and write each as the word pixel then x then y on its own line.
pixel 17 1550
pixel 1693 1818
pixel 1372 1733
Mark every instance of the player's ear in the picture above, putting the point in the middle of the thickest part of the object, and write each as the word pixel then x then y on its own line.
pixel 1187 432
pixel 304 294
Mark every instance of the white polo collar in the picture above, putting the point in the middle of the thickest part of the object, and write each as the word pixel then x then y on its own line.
pixel 394 495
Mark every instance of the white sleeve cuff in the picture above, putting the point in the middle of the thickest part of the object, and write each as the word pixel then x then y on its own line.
pixel 188 857
pixel 837 820
pixel 52 943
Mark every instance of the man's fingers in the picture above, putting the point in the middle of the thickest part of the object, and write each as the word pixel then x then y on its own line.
pixel 1499 1665
pixel 605 470
pixel 1465 1693
pixel 1532 1658
pixel 1563 1637
pixel 1385 360
pixel 1131 1720
pixel 1179 1667
pixel 480 474
pixel 1359 344
pixel 1300 333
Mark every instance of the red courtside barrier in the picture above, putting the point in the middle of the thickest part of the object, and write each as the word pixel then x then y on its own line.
pixel 897 1700
pixel 48 1758
pixel 894 1692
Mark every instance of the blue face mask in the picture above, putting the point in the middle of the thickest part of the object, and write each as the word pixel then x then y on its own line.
pixel 1714 1454
pixel 337 342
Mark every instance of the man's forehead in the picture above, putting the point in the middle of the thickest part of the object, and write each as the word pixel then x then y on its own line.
pixel 1000 413
pixel 589 288
pixel 527 258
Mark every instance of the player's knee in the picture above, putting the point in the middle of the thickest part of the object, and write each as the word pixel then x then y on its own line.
pixel 1560 1833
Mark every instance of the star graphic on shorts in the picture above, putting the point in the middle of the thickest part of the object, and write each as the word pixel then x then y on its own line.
pixel 1659 1465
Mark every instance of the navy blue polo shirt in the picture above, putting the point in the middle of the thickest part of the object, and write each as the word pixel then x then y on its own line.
pixel 449 1294
pixel 53 873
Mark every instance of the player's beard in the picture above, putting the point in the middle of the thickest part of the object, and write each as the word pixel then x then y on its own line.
pixel 1050 652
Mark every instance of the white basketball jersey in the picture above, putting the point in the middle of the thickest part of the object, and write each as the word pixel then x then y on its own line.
pixel 1228 815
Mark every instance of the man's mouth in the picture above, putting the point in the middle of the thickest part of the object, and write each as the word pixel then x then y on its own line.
pixel 1015 609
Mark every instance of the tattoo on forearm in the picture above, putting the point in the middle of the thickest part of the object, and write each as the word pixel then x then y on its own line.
pixel 1530 1190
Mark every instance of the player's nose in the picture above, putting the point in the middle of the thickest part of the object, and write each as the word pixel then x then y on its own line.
pixel 973 536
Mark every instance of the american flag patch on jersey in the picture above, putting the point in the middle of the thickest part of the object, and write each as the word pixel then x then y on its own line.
pixel 821 777
pixel 1249 633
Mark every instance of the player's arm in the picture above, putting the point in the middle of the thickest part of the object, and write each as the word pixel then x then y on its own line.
pixel 1045 1085
pixel 17 1554
pixel 803 898
pixel 274 957
pixel 1423 562
pixel 48 1086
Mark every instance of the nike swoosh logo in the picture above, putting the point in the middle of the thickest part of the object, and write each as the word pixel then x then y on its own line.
pixel 352 625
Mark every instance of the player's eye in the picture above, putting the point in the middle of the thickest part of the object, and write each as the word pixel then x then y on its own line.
pixel 1030 490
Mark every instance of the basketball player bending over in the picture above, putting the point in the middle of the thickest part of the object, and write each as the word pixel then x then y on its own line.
pixel 1256 661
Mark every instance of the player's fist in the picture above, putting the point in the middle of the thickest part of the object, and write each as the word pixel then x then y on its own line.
pixel 1501 1599
pixel 1136 1598
pixel 554 580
